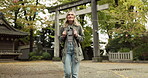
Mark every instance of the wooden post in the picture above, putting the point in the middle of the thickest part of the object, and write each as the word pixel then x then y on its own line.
pixel 56 39
pixel 31 40
pixel 118 55
pixel 131 55
pixel 13 46
pixel 96 50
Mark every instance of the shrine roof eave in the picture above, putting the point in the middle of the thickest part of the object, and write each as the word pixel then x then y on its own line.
pixel 12 36
pixel 14 33
pixel 7 30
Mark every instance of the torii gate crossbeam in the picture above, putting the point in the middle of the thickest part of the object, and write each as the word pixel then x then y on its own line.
pixel 68 5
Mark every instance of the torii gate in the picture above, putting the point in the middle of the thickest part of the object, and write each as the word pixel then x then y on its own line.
pixel 93 9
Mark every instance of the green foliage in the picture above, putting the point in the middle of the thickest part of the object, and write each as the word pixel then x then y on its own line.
pixel 22 12
pixel 56 59
pixel 66 1
pixel 131 20
pixel 45 36
pixel 124 22
pixel 32 54
pixel 124 50
pixel 36 56
pixel 138 45
pixel 106 22
pixel 46 56
pixel 141 52
pixel 88 35
pixel 125 15
pixel 114 45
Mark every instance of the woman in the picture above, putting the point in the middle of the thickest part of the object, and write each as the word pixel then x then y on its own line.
pixel 71 34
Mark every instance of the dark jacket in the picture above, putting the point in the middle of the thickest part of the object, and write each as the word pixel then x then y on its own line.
pixel 77 47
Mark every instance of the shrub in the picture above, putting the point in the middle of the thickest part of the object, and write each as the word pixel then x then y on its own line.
pixel 32 54
pixel 46 56
pixel 56 59
pixel 124 50
pixel 36 57
pixel 141 52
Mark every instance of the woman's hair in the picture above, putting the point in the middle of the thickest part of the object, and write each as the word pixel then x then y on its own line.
pixel 75 20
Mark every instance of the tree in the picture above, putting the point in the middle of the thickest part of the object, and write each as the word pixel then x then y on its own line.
pixel 124 21
pixel 22 14
pixel 45 36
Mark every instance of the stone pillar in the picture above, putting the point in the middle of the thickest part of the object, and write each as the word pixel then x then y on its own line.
pixel 56 39
pixel 96 49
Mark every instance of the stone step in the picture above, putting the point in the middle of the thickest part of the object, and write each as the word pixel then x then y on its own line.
pixel 7 60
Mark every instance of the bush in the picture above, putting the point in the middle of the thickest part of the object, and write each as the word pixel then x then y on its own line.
pixel 32 54
pixel 114 45
pixel 56 59
pixel 141 52
pixel 36 57
pixel 46 56
pixel 124 50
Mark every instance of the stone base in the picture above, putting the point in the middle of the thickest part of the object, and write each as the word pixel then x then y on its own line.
pixel 56 59
pixel 105 57
pixel 97 59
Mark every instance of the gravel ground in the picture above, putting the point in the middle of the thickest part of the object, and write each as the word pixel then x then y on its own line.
pixel 35 69
pixel 88 69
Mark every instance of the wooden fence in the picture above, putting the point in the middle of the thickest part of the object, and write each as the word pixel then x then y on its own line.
pixel 10 52
pixel 121 56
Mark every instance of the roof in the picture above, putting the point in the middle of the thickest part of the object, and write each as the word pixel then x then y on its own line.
pixel 7 30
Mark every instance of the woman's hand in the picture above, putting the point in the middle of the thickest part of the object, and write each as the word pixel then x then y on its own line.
pixel 75 33
pixel 64 33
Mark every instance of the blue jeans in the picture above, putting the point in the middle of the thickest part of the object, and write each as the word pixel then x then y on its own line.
pixel 71 67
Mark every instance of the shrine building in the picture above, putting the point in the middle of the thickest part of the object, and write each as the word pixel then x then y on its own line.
pixel 9 39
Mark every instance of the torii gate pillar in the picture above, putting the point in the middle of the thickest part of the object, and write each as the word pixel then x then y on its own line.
pixel 96 50
pixel 56 39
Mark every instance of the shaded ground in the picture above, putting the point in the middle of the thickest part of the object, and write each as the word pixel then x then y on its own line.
pixel 36 69
pixel 88 69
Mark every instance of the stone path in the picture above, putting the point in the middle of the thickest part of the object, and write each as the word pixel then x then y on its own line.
pixel 88 69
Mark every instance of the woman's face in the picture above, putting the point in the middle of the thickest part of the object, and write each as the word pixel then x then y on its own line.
pixel 70 16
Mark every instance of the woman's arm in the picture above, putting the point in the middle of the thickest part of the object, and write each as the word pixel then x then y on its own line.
pixel 62 37
pixel 80 35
